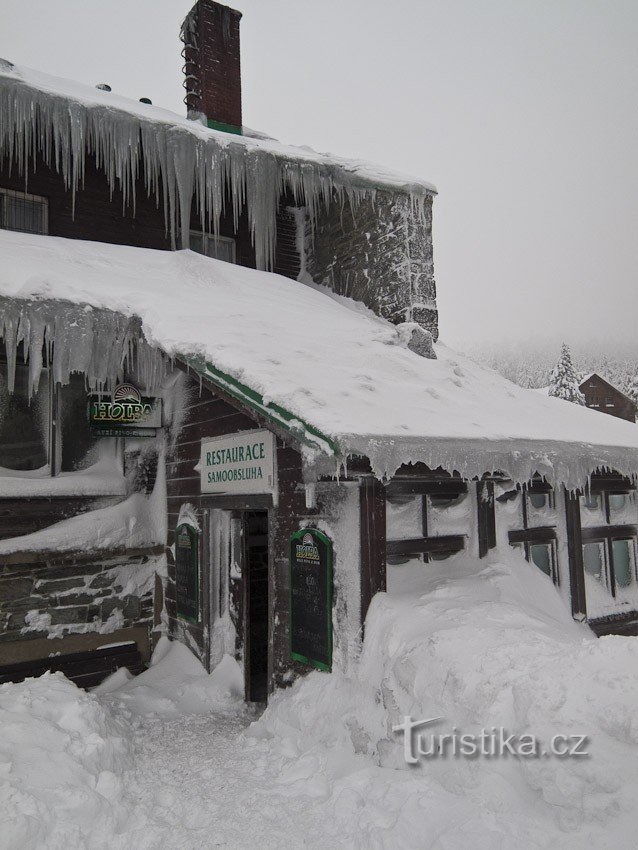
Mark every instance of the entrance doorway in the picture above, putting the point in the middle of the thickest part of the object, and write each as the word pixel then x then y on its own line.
pixel 256 605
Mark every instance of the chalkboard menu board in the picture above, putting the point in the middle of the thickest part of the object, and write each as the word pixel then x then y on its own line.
pixel 187 572
pixel 311 598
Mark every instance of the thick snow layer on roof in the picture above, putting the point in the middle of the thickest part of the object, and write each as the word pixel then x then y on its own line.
pixel 339 370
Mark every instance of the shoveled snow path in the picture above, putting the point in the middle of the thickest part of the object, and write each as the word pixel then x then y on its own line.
pixel 198 784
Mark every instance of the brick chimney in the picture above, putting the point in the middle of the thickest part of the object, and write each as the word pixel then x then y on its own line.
pixel 210 33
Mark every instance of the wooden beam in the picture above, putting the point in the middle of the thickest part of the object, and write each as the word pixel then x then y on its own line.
pixel 420 487
pixel 373 543
pixel 541 534
pixel 449 543
pixel 602 532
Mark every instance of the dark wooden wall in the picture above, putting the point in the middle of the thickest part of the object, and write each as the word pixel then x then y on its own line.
pixel 102 218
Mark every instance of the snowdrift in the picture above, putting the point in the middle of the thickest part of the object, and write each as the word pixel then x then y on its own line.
pixel 477 645
pixel 176 684
pixel 61 757
pixel 481 647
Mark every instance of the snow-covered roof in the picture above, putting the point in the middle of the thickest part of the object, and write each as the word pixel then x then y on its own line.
pixel 61 117
pixel 339 375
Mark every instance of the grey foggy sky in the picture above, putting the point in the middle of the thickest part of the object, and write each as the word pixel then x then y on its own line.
pixel 522 112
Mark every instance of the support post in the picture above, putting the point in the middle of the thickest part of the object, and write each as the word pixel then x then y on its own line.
pixel 575 552
pixel 486 516
pixel 372 533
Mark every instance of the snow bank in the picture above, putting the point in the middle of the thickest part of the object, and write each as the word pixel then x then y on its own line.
pixel 61 755
pixel 177 684
pixel 481 647
pixel 371 396
pixel 103 478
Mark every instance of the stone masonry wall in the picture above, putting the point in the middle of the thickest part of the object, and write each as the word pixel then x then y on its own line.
pixel 382 255
pixel 62 595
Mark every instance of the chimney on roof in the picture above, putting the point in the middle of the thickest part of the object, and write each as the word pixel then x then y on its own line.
pixel 210 34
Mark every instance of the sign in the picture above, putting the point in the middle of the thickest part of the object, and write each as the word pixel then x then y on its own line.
pixel 187 572
pixel 126 413
pixel 240 463
pixel 311 598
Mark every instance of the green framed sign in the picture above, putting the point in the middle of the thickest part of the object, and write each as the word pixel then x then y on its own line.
pixel 127 412
pixel 187 572
pixel 310 598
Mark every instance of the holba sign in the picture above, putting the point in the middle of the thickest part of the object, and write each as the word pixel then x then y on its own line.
pixel 241 463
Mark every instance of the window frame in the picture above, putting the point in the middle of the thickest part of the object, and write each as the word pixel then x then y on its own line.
pixel 54 413
pixel 205 237
pixel 536 535
pixel 427 545
pixel 26 196
pixel 607 535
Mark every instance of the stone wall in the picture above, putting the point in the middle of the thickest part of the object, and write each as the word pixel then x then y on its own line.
pixel 381 255
pixel 53 597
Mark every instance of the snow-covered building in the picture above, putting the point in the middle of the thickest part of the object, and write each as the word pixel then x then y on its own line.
pixel 229 443
pixel 605 397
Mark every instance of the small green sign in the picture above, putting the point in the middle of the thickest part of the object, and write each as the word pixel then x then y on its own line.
pixel 126 412
pixel 310 598
pixel 187 572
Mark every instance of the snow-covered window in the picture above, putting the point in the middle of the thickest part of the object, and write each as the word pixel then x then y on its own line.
pixel 217 247
pixel 623 558
pixel 24 421
pixel 594 560
pixel 45 427
pixel 24 212
pixel 426 519
pixel 77 440
pixel 542 554
pixel 537 537
pixel 612 562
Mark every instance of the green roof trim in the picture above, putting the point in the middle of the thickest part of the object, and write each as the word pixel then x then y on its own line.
pixel 297 427
pixel 225 128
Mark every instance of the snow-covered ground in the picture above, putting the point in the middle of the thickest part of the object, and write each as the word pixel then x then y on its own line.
pixel 173 759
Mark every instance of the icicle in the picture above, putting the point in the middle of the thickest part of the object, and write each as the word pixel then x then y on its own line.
pixel 178 161
pixel 101 344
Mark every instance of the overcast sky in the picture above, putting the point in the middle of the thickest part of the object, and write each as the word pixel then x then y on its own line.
pixel 522 112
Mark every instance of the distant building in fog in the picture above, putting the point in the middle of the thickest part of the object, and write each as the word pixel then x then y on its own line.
pixel 601 395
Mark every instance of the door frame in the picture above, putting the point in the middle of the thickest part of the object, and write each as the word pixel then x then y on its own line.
pixel 239 504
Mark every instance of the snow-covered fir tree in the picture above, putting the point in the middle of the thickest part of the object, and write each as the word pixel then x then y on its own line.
pixel 563 382
pixel 630 387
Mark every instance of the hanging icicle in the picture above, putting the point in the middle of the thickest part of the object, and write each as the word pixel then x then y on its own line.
pixel 101 344
pixel 178 159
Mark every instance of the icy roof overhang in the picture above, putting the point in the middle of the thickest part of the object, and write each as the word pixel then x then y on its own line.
pixel 335 371
pixel 62 119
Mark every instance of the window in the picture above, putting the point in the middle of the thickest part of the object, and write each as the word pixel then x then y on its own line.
pixel 594 560
pixel 49 428
pixel 217 247
pixel 617 501
pixel 539 500
pixel 24 422
pixel 23 212
pixel 537 537
pixel 612 562
pixel 422 521
pixel 541 554
pixel 593 502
